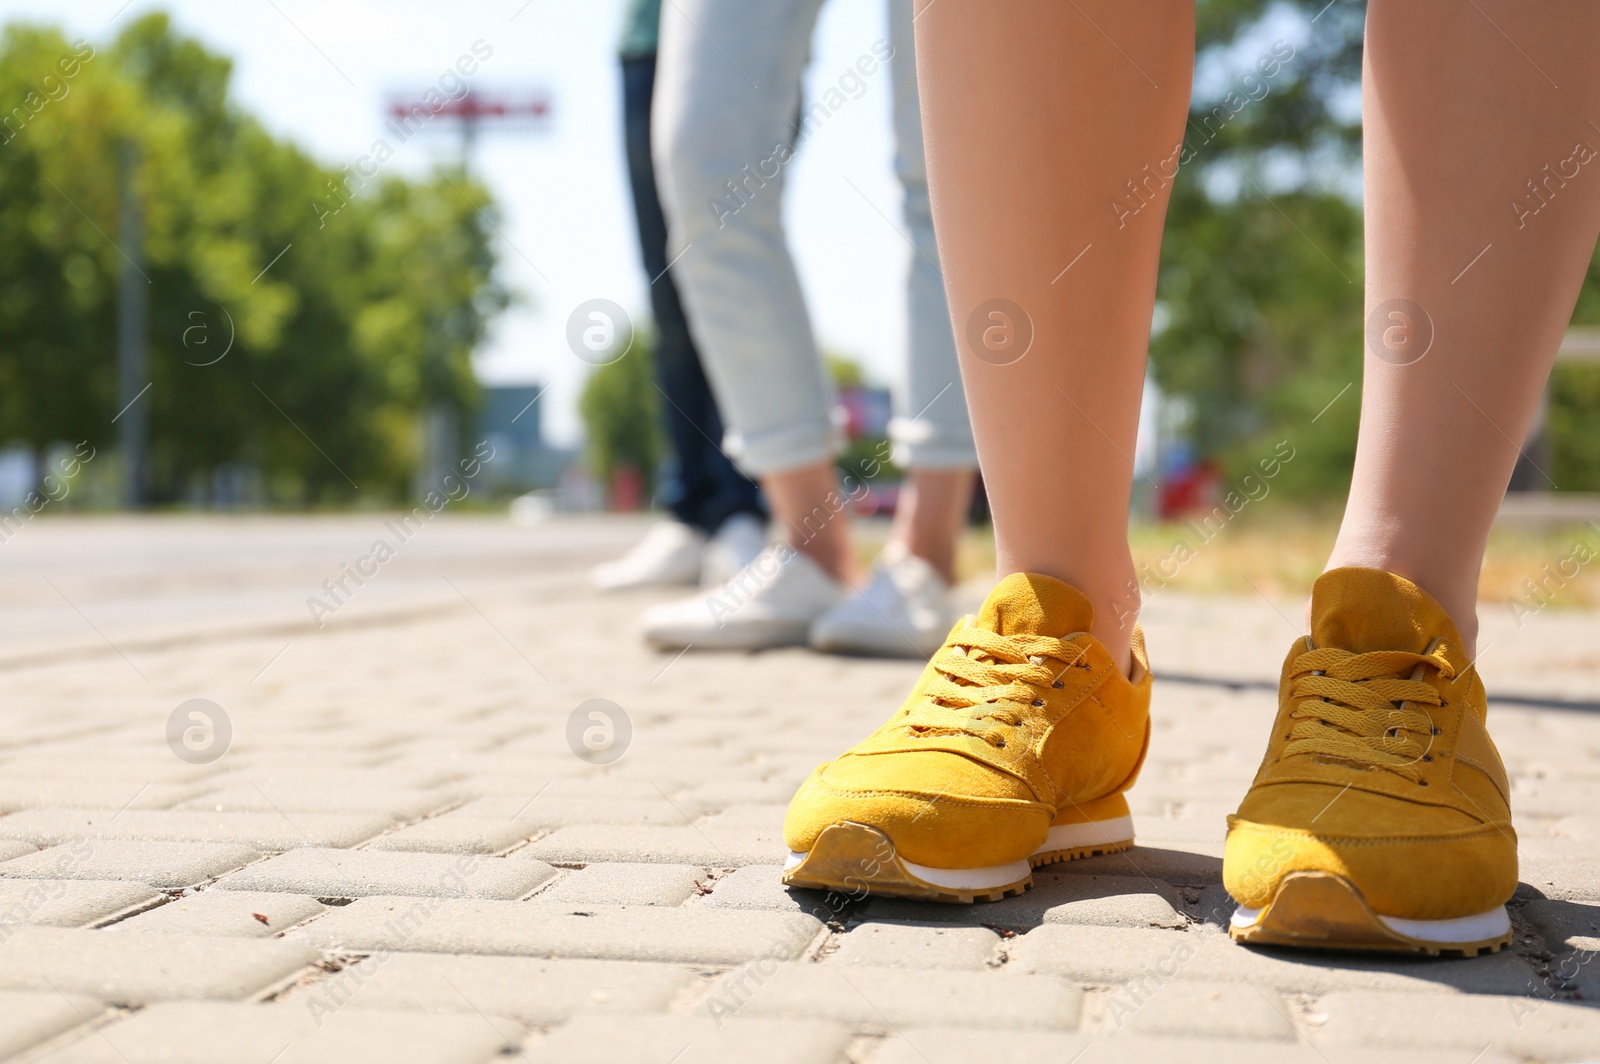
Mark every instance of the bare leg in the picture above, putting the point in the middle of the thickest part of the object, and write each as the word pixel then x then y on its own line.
pixel 807 509
pixel 1459 117
pixel 931 514
pixel 1037 116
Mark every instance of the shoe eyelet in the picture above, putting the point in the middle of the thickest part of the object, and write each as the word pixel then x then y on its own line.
pixel 1427 757
pixel 1037 702
pixel 1422 783
pixel 1058 685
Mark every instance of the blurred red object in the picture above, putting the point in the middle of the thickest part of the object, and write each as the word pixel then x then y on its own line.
pixel 627 489
pixel 875 502
pixel 1188 491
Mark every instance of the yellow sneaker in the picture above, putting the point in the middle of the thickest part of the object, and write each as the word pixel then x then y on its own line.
pixel 1012 751
pixel 1380 817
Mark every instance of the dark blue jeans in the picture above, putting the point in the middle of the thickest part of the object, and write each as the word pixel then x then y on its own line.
pixel 701 488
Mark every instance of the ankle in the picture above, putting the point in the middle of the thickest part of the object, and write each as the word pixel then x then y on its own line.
pixel 942 557
pixel 1108 579
pixel 931 515
pixel 829 554
pixel 1118 643
pixel 1115 617
pixel 1458 596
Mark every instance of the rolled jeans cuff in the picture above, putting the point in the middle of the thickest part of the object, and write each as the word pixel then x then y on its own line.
pixel 923 444
pixel 780 449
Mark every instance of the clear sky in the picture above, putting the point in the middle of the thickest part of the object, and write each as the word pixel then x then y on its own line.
pixel 318 71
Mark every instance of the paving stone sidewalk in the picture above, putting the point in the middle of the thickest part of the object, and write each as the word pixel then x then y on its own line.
pixel 398 855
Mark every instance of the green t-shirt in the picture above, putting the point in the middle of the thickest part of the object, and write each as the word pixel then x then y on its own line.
pixel 641 25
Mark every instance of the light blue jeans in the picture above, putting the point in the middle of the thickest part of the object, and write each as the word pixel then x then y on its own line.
pixel 727 120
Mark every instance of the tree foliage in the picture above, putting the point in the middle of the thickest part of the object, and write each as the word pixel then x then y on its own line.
pixel 1261 270
pixel 621 414
pixel 347 300
pixel 1259 306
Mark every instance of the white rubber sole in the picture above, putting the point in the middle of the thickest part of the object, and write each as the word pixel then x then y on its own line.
pixel 859 859
pixel 1321 910
pixel 735 635
pixel 1116 831
pixel 1491 924
pixel 883 641
pixel 606 581
pixel 987 878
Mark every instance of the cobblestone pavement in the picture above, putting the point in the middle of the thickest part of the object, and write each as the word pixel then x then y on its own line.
pixel 400 858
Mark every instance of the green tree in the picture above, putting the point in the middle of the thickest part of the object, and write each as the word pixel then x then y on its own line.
pixel 1259 315
pixel 621 415
pixel 57 273
pixel 347 301
pixel 1574 445
pixel 845 371
pixel 1262 296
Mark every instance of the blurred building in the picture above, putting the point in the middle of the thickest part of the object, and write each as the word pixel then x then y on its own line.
pixel 865 412
pixel 511 420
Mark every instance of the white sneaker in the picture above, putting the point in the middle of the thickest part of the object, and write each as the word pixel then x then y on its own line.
pixel 671 553
pixel 904 611
pixel 771 602
pixel 738 542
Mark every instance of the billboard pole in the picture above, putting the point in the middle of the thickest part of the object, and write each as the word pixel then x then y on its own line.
pixel 440 425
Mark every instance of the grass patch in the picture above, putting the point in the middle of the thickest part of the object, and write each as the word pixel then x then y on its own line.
pixel 1282 551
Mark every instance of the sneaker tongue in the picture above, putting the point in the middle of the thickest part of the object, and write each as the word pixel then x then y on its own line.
pixel 1363 610
pixel 1030 604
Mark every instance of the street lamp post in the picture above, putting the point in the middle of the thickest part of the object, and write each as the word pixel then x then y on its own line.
pixel 133 334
